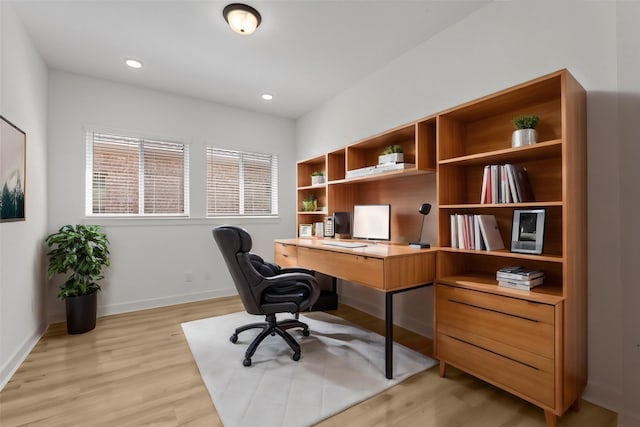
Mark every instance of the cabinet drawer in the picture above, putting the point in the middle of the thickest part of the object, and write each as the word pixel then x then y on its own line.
pixel 356 268
pixel 516 377
pixel 508 326
pixel 286 255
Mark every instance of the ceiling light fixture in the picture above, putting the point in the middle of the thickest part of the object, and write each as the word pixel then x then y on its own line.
pixel 267 96
pixel 133 63
pixel 241 18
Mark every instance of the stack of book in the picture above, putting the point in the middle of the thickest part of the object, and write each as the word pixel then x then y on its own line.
pixel 505 184
pixel 519 278
pixel 478 232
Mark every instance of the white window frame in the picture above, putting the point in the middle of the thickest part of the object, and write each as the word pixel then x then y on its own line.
pixel 273 158
pixel 90 137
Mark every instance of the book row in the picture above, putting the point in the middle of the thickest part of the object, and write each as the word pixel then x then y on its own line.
pixel 478 232
pixel 505 184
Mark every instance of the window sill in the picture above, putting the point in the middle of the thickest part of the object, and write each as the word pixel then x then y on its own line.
pixel 114 221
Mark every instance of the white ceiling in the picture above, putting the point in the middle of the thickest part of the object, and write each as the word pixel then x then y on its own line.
pixel 304 52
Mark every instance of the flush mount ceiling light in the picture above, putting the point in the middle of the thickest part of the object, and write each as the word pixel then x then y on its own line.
pixel 133 63
pixel 267 96
pixel 241 18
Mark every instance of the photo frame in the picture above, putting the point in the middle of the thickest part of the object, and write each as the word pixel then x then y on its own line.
pixel 13 149
pixel 306 230
pixel 527 231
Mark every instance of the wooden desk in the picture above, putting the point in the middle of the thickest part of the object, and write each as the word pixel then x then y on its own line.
pixel 389 268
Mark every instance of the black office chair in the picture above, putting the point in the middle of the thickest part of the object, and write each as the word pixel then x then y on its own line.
pixel 266 289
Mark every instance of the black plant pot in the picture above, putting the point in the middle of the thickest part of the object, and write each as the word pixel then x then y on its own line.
pixel 81 313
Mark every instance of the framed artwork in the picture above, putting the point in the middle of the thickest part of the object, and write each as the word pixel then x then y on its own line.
pixel 13 146
pixel 527 231
pixel 306 230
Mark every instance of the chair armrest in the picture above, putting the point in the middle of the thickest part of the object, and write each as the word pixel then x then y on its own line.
pixel 295 270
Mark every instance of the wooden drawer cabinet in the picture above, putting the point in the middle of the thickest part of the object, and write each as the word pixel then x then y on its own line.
pixel 503 340
pixel 285 255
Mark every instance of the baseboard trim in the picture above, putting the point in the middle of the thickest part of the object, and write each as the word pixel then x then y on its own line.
pixel 14 362
pixel 146 304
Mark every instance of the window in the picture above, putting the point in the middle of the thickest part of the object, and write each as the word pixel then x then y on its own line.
pixel 241 184
pixel 136 177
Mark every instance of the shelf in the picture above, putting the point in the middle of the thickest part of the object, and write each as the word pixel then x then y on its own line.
pixel 541 150
pixel 505 254
pixel 313 187
pixel 383 176
pixel 312 213
pixel 546 293
pixel 502 205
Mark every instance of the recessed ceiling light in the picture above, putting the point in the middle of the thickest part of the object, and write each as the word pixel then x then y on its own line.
pixel 267 96
pixel 133 63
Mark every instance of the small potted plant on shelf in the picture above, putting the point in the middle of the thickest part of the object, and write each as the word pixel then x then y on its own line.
pixel 391 154
pixel 310 203
pixel 317 178
pixel 82 250
pixel 525 130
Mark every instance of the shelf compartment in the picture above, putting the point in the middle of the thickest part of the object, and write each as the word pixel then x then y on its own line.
pixel 336 165
pixel 552 245
pixel 485 125
pixel 462 183
pixel 365 153
pixel 306 167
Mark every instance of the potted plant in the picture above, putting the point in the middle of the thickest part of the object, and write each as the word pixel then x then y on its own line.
pixel 310 203
pixel 317 177
pixel 525 132
pixel 83 251
pixel 391 154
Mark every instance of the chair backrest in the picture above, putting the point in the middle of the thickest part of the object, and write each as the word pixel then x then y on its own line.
pixel 235 245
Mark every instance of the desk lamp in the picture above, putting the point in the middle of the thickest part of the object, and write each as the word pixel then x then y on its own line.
pixel 425 208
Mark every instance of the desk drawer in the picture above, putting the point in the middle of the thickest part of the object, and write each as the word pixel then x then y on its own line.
pixel 356 268
pixel 285 255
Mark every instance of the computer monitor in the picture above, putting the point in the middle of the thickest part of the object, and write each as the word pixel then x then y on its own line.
pixel 372 222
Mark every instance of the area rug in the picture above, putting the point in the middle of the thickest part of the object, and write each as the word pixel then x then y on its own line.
pixel 341 365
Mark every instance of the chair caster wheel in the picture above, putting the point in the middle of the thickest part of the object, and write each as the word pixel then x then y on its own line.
pixel 233 338
pixel 296 356
pixel 305 332
pixel 246 362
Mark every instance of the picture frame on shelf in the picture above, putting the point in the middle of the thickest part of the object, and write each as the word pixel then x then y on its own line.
pixel 527 231
pixel 306 230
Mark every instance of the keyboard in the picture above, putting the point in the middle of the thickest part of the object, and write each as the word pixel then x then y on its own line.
pixel 346 244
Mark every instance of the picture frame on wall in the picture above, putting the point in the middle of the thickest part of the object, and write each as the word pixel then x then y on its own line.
pixel 13 146
pixel 306 230
pixel 527 231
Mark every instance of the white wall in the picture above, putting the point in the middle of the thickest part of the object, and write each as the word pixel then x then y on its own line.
pixel 503 44
pixel 23 101
pixel 629 110
pixel 159 262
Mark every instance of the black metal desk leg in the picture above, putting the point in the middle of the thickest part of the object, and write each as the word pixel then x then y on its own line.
pixel 388 335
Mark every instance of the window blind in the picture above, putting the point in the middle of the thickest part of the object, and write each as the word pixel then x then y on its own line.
pixel 136 177
pixel 241 184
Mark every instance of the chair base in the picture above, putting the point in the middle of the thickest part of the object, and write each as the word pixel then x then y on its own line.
pixel 272 327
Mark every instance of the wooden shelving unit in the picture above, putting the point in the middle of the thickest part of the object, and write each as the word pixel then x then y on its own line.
pixel 481 328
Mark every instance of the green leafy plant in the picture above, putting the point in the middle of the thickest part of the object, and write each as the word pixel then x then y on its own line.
pixel 82 250
pixel 317 173
pixel 391 149
pixel 525 122
pixel 310 203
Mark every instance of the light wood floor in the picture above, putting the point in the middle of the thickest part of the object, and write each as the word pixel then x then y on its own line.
pixel 136 369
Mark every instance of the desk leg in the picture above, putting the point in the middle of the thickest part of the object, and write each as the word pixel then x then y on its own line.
pixel 388 335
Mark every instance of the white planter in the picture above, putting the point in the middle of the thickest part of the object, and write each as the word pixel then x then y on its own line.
pixel 523 137
pixel 317 179
pixel 391 158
